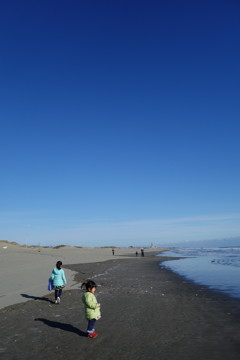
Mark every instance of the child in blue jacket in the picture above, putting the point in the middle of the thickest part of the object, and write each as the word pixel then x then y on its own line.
pixel 59 280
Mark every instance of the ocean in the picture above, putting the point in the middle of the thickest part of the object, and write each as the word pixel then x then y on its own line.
pixel 216 268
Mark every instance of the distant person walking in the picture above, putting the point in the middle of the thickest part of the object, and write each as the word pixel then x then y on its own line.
pixel 59 280
pixel 113 251
pixel 92 308
pixel 142 252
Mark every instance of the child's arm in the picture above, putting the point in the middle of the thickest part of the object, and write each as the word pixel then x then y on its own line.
pixel 52 276
pixel 64 277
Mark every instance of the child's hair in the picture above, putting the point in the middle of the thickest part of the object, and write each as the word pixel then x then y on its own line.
pixel 89 284
pixel 58 265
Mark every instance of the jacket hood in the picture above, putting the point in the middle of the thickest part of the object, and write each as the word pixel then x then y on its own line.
pixel 56 271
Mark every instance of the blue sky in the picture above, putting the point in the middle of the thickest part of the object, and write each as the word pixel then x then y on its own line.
pixel 119 121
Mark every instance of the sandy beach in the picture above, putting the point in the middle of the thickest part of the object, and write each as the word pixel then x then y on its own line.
pixel 148 312
pixel 25 270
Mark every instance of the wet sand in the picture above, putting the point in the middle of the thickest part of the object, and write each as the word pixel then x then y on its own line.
pixel 148 312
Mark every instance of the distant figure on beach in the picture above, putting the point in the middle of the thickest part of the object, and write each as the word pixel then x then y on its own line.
pixel 59 280
pixel 113 251
pixel 136 253
pixel 92 308
pixel 142 252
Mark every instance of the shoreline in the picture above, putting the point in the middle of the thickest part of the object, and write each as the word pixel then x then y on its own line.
pixel 83 273
pixel 147 312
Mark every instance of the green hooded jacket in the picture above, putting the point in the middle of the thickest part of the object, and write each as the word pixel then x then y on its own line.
pixel 92 310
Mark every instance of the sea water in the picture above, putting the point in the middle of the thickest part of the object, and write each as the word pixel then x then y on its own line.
pixel 216 268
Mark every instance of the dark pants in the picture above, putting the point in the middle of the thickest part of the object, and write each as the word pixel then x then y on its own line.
pixel 91 324
pixel 58 293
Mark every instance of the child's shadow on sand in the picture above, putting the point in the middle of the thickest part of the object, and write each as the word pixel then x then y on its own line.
pixel 63 326
pixel 37 298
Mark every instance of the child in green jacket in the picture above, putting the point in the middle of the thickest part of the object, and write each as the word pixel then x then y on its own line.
pixel 92 308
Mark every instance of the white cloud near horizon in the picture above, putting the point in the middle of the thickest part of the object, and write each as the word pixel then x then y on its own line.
pixel 122 233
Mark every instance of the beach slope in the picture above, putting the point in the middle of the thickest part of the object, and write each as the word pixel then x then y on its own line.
pixel 147 313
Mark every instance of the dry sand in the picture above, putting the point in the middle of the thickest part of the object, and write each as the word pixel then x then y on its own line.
pixel 25 270
pixel 148 312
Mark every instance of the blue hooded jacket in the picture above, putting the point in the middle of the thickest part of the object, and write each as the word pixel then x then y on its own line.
pixel 58 277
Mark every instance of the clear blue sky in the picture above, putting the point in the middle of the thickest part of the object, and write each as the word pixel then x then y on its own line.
pixel 119 121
